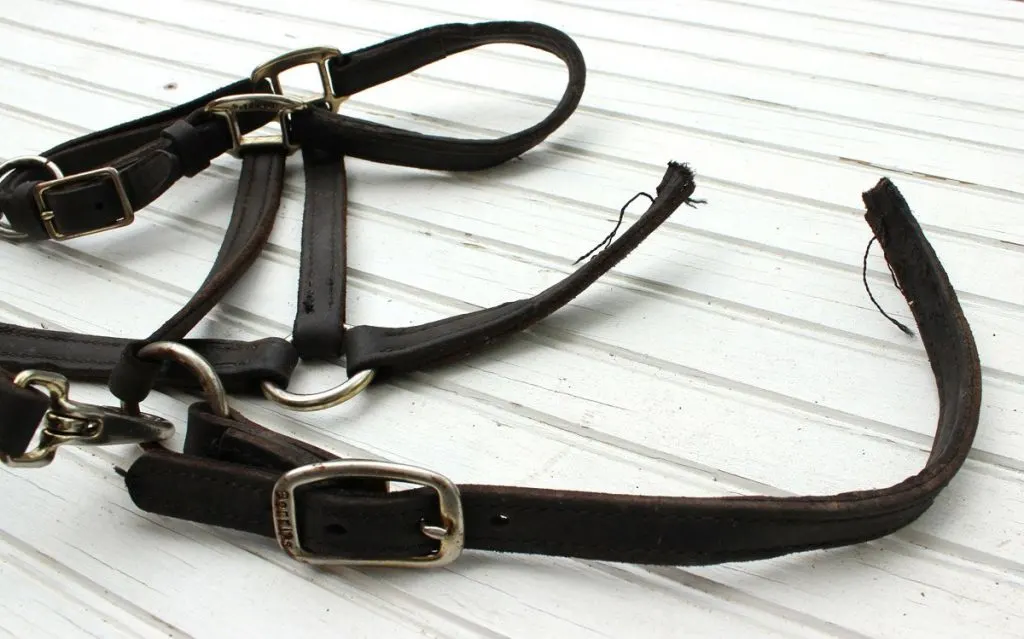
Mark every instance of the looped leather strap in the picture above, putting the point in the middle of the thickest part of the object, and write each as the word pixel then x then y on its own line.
pixel 411 348
pixel 360 70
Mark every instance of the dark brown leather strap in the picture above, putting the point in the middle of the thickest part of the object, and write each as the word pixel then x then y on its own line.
pixel 228 471
pixel 360 70
pixel 241 366
pixel 403 349
pixel 150 154
pixel 318 331
pixel 256 204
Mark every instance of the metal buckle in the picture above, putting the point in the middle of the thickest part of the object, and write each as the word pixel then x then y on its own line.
pixel 108 172
pixel 69 422
pixel 272 70
pixel 228 107
pixel 451 534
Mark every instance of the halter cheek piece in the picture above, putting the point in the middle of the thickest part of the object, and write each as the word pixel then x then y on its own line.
pixel 324 510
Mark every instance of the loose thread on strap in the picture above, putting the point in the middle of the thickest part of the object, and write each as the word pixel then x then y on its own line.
pixel 864 275
pixel 608 240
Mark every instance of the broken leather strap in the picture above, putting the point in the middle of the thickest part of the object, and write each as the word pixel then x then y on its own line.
pixel 230 466
pixel 389 350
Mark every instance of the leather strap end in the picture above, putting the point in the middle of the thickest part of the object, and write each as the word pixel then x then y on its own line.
pixel 133 378
pixel 189 146
pixel 24 409
pixel 23 214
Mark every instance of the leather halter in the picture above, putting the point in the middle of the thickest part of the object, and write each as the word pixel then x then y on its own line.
pixel 321 509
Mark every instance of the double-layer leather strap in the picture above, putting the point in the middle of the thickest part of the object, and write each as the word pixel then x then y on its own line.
pixel 318 330
pixel 256 204
pixel 227 473
pixel 404 349
pixel 150 154
pixel 360 70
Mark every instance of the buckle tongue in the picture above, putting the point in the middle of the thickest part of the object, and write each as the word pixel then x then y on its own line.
pixel 79 424
pixel 451 533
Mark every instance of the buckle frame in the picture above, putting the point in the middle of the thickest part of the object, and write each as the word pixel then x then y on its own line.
pixel 229 106
pixel 79 424
pixel 272 69
pixel 48 218
pixel 451 534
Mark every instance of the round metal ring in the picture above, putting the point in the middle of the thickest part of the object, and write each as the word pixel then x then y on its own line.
pixel 213 388
pixel 22 162
pixel 322 400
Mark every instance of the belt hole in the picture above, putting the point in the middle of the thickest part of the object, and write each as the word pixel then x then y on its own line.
pixel 499 520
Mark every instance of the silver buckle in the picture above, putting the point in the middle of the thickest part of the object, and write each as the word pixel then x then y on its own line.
pixel 272 69
pixel 108 172
pixel 228 107
pixel 451 534
pixel 59 179
pixel 69 422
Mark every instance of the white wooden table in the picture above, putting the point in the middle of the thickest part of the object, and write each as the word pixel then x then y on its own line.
pixel 734 352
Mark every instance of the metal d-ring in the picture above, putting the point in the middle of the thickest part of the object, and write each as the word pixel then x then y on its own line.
pixel 22 162
pixel 213 388
pixel 323 399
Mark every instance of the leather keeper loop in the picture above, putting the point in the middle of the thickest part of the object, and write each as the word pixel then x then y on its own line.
pixel 188 146
pixel 133 378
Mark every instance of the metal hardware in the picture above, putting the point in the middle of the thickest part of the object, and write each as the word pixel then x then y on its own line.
pixel 213 388
pixel 75 423
pixel 272 70
pixel 23 162
pixel 108 172
pixel 323 399
pixel 229 106
pixel 451 533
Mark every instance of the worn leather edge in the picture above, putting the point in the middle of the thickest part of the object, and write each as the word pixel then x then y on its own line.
pixel 390 350
pixel 624 527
